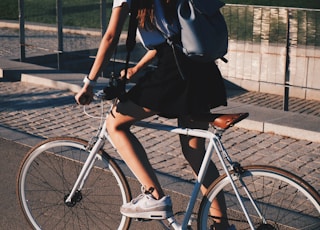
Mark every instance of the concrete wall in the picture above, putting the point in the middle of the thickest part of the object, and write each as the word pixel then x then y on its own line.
pixel 262 68
pixel 259 37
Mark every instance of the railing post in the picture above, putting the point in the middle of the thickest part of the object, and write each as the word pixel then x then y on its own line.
pixel 22 31
pixel 287 66
pixel 103 15
pixel 60 30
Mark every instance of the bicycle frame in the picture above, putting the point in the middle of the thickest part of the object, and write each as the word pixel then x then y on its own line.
pixel 214 145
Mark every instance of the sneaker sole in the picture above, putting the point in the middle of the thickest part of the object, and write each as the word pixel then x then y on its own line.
pixel 160 215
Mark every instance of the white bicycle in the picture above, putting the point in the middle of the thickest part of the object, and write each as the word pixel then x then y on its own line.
pixel 69 183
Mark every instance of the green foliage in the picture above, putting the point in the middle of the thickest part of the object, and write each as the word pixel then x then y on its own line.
pixel 84 13
pixel 312 4
pixel 40 11
pixel 9 9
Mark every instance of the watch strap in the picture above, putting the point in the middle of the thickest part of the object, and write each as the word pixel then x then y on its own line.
pixel 86 80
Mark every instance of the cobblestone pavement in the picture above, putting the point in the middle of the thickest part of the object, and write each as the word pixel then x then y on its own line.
pixel 48 112
pixel 272 101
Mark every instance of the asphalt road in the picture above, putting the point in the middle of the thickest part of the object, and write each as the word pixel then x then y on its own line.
pixel 11 155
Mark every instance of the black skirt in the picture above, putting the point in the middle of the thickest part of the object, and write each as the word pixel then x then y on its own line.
pixel 167 93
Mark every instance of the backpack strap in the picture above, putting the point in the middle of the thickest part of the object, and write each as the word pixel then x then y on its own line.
pixel 132 31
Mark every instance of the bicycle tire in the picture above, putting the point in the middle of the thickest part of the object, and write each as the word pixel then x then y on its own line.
pixel 284 199
pixel 46 176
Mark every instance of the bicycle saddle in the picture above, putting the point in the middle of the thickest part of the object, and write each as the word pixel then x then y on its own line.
pixel 221 121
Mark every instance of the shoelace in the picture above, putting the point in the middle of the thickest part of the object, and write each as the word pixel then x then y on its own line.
pixel 141 196
pixel 135 200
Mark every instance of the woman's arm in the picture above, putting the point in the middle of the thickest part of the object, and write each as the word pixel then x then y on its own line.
pixel 109 40
pixel 105 51
pixel 144 61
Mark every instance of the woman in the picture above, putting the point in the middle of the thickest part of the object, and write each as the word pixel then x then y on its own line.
pixel 162 91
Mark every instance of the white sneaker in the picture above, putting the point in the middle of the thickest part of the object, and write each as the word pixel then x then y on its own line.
pixel 145 206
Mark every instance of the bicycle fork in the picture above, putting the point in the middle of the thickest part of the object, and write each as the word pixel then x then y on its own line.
pixel 219 148
pixel 73 197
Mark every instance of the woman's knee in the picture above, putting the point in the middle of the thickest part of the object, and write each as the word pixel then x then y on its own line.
pixel 110 125
pixel 115 122
pixel 124 115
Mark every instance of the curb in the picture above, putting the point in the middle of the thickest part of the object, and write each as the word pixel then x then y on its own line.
pixel 273 121
pixel 289 124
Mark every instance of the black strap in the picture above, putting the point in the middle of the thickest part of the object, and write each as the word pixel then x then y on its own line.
pixel 132 30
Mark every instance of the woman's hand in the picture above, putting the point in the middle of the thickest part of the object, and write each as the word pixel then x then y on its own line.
pixel 144 61
pixel 85 95
pixel 130 72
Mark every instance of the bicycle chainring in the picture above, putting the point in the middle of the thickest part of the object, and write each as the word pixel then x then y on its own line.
pixel 266 227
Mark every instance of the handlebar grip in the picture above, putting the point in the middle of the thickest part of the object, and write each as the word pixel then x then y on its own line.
pixel 84 99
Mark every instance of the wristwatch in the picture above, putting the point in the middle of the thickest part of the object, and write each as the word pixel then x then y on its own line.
pixel 86 80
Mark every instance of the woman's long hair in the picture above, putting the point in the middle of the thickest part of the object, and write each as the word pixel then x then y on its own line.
pixel 146 12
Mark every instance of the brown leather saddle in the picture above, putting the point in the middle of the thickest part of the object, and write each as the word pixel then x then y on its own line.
pixel 220 120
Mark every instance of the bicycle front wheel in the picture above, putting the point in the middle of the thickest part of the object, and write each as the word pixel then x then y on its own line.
pixel 47 175
pixel 281 201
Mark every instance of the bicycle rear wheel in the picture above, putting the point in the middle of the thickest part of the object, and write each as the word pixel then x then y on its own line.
pixel 47 175
pixel 284 200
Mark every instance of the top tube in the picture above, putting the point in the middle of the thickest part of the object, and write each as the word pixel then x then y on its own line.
pixel 175 129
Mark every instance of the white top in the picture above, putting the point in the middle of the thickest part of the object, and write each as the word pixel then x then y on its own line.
pixel 151 38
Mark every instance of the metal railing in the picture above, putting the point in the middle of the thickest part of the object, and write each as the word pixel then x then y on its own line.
pixel 272 49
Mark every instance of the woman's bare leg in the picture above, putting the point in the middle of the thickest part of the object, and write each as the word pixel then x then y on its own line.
pixel 193 149
pixel 129 147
